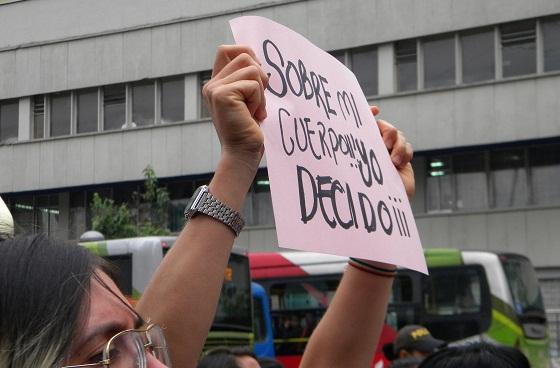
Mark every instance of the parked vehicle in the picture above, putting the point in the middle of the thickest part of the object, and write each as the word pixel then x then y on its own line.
pixel 468 296
pixel 138 258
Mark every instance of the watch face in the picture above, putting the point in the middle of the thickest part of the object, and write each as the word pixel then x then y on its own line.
pixel 195 200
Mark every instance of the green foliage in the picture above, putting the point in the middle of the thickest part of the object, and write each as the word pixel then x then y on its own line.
pixel 151 212
pixel 111 220
pixel 154 202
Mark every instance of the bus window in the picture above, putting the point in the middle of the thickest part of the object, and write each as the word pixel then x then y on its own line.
pixel 523 284
pixel 402 309
pixel 123 266
pixel 296 308
pixel 456 302
pixel 452 293
pixel 234 306
pixel 526 295
pixel 402 290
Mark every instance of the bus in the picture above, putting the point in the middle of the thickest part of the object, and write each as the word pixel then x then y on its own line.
pixel 137 259
pixel 469 296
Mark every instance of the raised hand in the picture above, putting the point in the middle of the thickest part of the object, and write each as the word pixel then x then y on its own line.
pixel 400 150
pixel 235 97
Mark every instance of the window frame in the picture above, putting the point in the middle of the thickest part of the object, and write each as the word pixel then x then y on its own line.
pixel 530 200
pixel 349 58
pixel 16 102
pixel 453 37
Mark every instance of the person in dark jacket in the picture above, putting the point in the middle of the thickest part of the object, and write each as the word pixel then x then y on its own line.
pixel 411 346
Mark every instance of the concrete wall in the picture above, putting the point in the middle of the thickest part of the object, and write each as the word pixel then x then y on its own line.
pixel 172 150
pixel 53 45
pixel 499 111
pixel 461 116
pixel 533 232
pixel 331 24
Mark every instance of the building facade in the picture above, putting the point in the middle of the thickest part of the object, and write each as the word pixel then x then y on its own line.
pixel 93 92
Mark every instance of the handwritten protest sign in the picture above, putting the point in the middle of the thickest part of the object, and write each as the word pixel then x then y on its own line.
pixel 334 188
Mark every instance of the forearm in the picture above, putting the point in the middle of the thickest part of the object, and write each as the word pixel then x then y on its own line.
pixel 348 333
pixel 183 294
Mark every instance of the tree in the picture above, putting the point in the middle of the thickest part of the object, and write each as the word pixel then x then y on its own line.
pixel 111 220
pixel 152 204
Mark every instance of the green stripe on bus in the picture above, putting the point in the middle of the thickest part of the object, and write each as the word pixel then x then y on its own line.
pixel 443 257
pixel 504 308
pixel 291 340
pixel 504 320
pixel 97 248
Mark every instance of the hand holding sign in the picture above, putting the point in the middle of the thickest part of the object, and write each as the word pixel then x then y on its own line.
pixel 334 186
pixel 400 150
pixel 235 97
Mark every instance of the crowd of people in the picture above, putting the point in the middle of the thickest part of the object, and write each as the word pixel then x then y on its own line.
pixel 60 307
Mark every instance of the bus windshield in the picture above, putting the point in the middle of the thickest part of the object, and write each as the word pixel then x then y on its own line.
pixel 234 307
pixel 523 284
pixel 453 291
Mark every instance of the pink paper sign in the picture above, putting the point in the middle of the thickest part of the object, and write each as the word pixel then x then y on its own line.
pixel 334 188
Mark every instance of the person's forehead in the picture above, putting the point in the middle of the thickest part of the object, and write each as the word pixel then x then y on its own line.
pixel 107 305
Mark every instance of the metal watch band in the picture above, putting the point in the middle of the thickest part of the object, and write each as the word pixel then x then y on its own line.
pixel 204 202
pixel 211 206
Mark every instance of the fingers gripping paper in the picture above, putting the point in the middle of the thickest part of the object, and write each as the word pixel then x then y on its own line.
pixel 334 188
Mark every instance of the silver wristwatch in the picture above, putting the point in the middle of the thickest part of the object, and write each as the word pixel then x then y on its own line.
pixel 204 202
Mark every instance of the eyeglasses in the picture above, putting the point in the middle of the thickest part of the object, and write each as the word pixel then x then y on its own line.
pixel 128 349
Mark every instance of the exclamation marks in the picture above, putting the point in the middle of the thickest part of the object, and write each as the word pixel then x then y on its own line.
pixel 400 218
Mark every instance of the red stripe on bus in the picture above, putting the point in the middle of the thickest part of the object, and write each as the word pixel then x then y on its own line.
pixel 281 272
pixel 268 265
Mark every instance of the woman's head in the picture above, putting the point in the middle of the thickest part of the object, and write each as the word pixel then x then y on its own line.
pixel 482 355
pixel 58 306
pixel 223 357
pixel 42 292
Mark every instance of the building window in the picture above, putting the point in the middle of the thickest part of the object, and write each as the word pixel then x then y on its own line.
pixel 439 184
pixel 519 55
pixel 38 116
pixel 143 107
pixel 439 62
pixel 172 99
pixel 257 209
pixel 339 55
pixel 87 110
pixel 470 181
pixel 478 56
pixel 77 215
pixel 545 173
pixel 37 214
pixel 203 79
pixel 47 215
pixel 551 44
pixel 114 106
pixel 22 210
pixel 509 178
pixel 9 121
pixel 364 66
pixel 60 114
pixel 498 178
pixel 457 182
pixel 406 64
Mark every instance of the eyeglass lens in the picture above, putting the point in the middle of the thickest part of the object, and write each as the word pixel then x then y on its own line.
pixel 127 351
pixel 158 345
